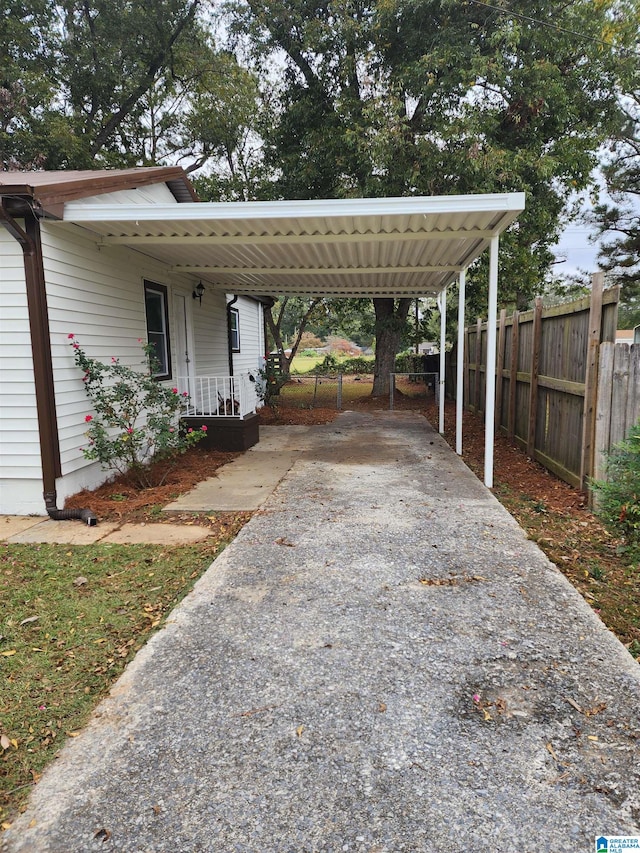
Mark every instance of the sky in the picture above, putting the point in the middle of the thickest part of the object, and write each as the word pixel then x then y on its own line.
pixel 580 254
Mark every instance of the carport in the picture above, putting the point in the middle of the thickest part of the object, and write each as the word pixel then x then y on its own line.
pixel 387 247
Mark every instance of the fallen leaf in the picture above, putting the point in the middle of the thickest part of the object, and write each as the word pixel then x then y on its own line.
pixel 5 743
pixel 282 541
pixel 551 752
pixel 73 734
pixel 6 825
pixel 382 707
pixel 103 833
pixel 157 809
pixel 29 619
pixel 8 653
pixel 80 581
pixel 299 730
pixel 591 712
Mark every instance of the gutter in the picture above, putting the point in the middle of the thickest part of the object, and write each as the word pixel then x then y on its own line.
pixel 31 245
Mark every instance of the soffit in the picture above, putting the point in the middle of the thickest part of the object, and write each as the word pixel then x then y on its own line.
pixel 353 247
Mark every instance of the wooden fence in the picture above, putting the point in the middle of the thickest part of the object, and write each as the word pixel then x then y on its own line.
pixel 547 371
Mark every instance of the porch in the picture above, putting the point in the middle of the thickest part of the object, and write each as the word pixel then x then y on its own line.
pixel 226 405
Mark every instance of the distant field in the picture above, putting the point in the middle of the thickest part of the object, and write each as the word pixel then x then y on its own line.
pixel 306 363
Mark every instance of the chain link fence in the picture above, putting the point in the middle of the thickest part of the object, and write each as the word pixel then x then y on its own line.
pixel 340 391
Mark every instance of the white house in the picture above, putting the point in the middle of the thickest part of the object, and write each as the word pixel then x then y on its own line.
pixel 57 281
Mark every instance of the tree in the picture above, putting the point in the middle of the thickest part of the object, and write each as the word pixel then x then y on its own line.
pixel 88 83
pixel 619 218
pixel 27 81
pixel 302 310
pixel 440 97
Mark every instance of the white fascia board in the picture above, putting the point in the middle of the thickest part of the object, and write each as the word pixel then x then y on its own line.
pixel 325 208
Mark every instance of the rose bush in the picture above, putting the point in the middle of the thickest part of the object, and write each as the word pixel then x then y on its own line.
pixel 136 418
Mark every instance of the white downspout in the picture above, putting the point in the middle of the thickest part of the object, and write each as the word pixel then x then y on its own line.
pixel 462 285
pixel 442 305
pixel 490 375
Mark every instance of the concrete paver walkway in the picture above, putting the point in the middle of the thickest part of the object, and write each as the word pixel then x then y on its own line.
pixel 380 662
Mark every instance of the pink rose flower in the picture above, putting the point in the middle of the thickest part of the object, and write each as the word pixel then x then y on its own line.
pixel 174 390
pixel 203 428
pixel 71 337
pixel 88 418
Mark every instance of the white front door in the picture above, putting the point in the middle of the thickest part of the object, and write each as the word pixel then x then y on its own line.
pixel 183 343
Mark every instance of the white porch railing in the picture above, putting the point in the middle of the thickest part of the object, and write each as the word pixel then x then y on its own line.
pixel 218 396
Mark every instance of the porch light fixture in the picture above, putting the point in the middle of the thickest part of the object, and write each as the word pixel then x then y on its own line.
pixel 198 291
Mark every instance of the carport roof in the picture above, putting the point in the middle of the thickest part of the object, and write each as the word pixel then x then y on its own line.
pixel 413 246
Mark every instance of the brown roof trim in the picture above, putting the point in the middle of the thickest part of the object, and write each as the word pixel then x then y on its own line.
pixel 50 190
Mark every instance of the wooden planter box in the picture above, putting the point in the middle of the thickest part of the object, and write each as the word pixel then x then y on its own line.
pixel 231 434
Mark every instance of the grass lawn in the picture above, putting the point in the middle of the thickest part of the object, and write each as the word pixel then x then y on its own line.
pixel 305 363
pixel 71 617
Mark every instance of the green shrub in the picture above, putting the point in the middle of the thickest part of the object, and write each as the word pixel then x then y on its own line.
pixel 409 362
pixel 618 497
pixel 357 364
pixel 329 364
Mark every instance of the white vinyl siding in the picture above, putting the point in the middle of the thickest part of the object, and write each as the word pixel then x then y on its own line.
pixel 249 359
pixel 98 296
pixel 210 334
pixel 20 468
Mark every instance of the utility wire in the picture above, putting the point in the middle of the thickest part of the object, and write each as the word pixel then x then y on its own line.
pixel 506 11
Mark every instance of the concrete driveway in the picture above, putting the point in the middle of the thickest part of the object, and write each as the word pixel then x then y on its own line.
pixel 380 662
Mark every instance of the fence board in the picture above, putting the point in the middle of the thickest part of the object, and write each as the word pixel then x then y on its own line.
pixel 633 396
pixel 620 384
pixel 603 409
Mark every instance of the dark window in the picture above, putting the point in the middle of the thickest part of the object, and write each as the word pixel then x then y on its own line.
pixel 157 310
pixel 234 329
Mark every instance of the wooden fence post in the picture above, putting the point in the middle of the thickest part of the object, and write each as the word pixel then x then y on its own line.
pixel 513 372
pixel 466 400
pixel 533 388
pixel 500 367
pixel 591 378
pixel 478 360
pixel 601 441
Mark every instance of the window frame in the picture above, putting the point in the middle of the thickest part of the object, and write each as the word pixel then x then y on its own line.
pixel 234 333
pixel 159 290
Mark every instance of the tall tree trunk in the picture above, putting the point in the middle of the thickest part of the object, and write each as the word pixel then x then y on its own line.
pixel 391 317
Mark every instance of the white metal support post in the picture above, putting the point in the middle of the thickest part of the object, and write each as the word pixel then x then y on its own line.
pixel 462 284
pixel 442 305
pixel 490 373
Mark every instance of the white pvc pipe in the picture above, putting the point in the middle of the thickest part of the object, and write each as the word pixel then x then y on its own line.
pixel 442 305
pixel 490 373
pixel 462 285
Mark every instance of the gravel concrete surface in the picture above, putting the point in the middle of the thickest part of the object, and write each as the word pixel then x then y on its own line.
pixel 380 662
